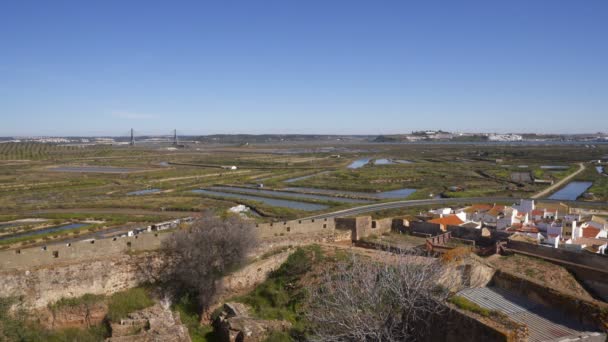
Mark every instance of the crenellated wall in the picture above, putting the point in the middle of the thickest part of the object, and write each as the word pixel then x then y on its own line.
pixel 295 227
pixel 79 251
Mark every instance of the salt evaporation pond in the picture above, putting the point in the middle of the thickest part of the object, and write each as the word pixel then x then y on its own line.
pixel 143 192
pixel 285 194
pixel 383 161
pixel 270 201
pixel 554 167
pixel 44 231
pixel 359 163
pixel 399 193
pixel 572 191
pixel 93 169
pixel 296 179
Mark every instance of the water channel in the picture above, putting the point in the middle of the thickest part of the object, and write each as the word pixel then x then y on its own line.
pixel 572 191
pixel 44 231
pixel 270 201
pixel 285 194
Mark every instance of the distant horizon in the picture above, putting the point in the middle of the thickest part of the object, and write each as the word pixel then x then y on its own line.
pixel 285 134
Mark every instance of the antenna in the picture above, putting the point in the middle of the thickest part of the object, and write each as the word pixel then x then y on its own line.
pixel 132 138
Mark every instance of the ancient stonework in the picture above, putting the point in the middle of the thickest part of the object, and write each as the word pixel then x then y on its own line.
pixel 154 324
pixel 235 325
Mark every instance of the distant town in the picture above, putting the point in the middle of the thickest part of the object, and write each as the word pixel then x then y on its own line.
pixel 416 136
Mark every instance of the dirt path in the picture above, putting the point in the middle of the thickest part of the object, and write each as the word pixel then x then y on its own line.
pixel 112 211
pixel 560 183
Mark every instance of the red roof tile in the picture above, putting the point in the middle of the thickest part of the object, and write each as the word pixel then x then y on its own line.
pixel 450 220
pixel 590 232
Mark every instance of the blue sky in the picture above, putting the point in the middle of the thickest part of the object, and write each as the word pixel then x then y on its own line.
pixel 331 66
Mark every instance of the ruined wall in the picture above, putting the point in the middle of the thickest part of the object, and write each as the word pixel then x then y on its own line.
pixel 43 285
pixel 363 226
pixel 425 228
pixel 79 251
pixel 295 227
pixel 305 230
pixel 455 325
pixel 597 261
pixel 251 275
pixel 590 312
pixel 465 232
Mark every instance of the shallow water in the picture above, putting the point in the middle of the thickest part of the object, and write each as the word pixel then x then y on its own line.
pixel 292 180
pixel 143 192
pixel 359 163
pixel 270 201
pixel 399 193
pixel 383 161
pixel 554 167
pixel 94 169
pixel 285 194
pixel 44 231
pixel 572 191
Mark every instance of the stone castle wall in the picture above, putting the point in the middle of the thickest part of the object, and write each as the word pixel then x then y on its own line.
pixel 295 227
pixel 43 285
pixel 79 251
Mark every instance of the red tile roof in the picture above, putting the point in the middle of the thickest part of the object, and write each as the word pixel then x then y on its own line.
pixel 450 220
pixel 590 232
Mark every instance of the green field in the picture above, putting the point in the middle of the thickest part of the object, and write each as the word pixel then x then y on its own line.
pixel 29 185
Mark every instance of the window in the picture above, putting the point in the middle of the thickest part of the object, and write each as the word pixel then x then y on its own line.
pixel 288 229
pixel 55 254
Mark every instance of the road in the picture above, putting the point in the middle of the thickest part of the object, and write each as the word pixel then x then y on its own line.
pixel 557 185
pixel 440 201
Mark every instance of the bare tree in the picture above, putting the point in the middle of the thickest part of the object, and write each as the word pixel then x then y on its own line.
pixel 367 300
pixel 199 255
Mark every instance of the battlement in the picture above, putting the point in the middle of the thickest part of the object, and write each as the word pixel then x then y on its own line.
pixel 152 240
pixel 79 251
pixel 295 227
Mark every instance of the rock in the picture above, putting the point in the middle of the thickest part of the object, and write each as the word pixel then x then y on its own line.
pixel 154 324
pixel 78 316
pixel 235 325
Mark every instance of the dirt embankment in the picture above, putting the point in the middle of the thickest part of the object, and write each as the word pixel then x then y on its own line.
pixel 551 275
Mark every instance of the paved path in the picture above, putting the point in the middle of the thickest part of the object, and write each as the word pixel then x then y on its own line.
pixel 544 323
pixel 439 201
pixel 560 183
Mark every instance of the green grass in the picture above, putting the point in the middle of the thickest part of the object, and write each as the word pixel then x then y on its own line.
pixel 189 315
pixel 87 299
pixel 122 303
pixel 467 305
pixel 280 297
pixel 17 326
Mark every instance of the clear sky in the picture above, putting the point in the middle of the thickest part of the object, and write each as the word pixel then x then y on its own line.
pixel 287 66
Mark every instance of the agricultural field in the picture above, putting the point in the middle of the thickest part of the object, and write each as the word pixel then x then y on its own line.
pixel 40 180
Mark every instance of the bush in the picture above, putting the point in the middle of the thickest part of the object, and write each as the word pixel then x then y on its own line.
pixel 122 303
pixel 203 253
pixel 467 305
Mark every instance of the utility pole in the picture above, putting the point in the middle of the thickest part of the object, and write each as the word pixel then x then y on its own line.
pixel 175 142
pixel 132 138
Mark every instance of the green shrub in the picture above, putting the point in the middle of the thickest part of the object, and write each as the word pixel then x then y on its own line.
pixel 187 307
pixel 87 299
pixel 278 336
pixel 122 303
pixel 467 305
